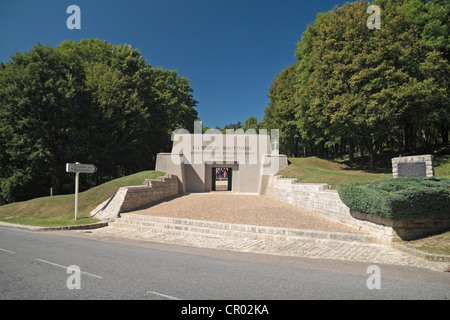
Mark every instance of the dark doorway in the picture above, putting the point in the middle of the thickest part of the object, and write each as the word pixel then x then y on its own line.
pixel 221 179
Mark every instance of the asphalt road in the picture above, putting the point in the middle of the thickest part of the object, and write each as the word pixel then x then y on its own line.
pixel 34 265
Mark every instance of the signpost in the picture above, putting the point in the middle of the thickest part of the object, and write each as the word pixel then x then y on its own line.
pixel 78 168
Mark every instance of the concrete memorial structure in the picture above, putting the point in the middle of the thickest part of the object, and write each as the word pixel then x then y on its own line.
pixel 238 162
pixel 413 166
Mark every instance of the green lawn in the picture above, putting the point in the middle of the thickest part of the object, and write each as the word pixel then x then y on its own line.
pixel 317 170
pixel 59 210
pixel 437 244
pixel 442 166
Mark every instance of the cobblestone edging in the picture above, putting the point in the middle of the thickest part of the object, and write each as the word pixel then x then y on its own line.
pixel 422 254
pixel 315 248
pixel 310 247
pixel 262 239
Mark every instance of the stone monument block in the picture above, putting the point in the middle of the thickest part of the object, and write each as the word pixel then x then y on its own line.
pixel 413 166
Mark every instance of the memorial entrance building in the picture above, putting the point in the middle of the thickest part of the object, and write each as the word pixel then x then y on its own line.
pixel 208 162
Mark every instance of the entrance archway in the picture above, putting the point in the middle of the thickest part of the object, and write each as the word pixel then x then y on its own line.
pixel 221 179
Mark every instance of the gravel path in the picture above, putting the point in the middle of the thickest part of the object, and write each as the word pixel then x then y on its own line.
pixel 242 209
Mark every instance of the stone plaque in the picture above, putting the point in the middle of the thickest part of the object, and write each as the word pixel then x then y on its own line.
pixel 413 166
pixel 412 169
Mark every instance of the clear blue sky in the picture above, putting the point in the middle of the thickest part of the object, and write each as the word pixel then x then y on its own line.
pixel 231 50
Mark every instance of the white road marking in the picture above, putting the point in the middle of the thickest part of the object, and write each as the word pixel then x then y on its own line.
pixel 58 265
pixel 163 295
pixel 7 250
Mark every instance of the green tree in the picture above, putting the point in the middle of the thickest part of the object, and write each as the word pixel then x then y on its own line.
pixel 356 87
pixel 144 104
pixel 91 102
pixel 39 99
pixel 251 123
pixel 232 126
pixel 281 110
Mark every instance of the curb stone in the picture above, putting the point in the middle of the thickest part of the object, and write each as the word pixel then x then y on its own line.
pixel 74 227
pixel 422 254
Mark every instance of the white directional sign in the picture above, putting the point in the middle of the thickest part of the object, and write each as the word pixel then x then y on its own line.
pixel 80 168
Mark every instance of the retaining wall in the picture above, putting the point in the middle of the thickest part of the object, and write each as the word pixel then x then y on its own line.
pixel 150 192
pixel 135 197
pixel 320 199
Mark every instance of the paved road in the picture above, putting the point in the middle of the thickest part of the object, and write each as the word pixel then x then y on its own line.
pixel 33 265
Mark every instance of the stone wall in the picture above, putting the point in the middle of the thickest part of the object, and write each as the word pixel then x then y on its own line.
pixel 152 191
pixel 319 199
pixel 407 229
pixel 134 197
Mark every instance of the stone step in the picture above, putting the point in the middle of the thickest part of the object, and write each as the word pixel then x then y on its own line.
pixel 148 223
pixel 160 230
pixel 148 226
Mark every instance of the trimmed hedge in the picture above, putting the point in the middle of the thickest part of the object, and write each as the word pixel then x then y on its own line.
pixel 399 198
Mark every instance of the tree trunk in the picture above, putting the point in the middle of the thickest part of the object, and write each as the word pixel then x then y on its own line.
pixel 371 154
pixel 350 151
pixel 361 152
pixel 55 184
pixel 296 149
pixel 444 131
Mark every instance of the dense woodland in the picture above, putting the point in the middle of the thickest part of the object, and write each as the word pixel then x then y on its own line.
pixel 91 102
pixel 353 89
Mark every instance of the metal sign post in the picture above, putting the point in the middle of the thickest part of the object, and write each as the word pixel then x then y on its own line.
pixel 77 179
pixel 78 168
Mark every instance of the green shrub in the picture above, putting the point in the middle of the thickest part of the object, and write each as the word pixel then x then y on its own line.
pixel 399 198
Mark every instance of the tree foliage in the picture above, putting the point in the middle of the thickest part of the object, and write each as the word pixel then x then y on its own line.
pixel 280 112
pixel 91 102
pixel 355 88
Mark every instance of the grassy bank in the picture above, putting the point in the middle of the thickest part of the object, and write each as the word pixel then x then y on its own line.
pixel 59 210
pixel 437 244
pixel 316 170
pixel 336 171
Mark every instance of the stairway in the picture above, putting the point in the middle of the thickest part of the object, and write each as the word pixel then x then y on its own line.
pixel 157 224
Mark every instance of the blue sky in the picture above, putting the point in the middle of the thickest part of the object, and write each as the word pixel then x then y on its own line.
pixel 231 50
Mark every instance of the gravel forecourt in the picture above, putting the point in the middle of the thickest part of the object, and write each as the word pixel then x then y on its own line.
pixel 242 209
